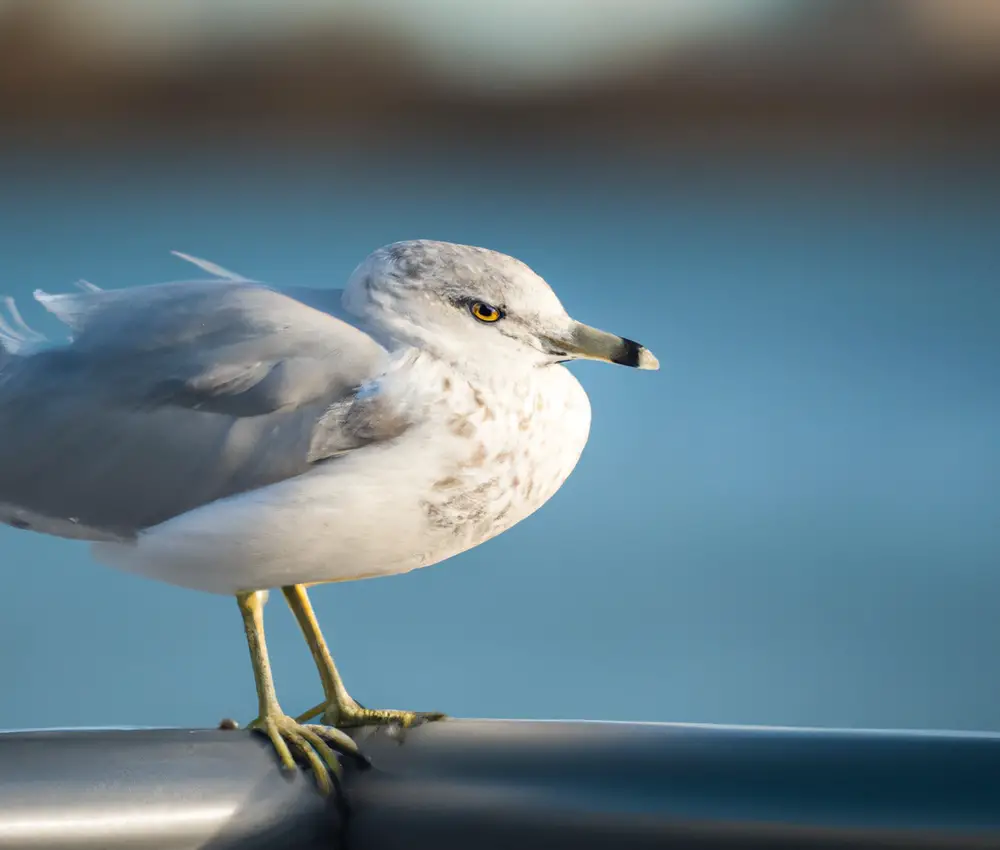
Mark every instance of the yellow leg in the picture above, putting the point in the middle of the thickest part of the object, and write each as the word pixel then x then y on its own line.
pixel 313 744
pixel 339 709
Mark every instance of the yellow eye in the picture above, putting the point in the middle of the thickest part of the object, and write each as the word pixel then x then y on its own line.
pixel 485 312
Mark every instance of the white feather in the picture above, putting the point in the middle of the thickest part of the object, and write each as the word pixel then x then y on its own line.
pixel 212 268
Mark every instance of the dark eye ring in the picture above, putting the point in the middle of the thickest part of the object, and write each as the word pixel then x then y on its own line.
pixel 485 312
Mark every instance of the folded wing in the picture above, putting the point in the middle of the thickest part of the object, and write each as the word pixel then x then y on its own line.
pixel 171 396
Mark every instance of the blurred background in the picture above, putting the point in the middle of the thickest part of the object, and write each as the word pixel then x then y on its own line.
pixel 795 205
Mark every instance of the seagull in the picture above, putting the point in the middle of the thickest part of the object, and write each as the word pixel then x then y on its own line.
pixel 234 437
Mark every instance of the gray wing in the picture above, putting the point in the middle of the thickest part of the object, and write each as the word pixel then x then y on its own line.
pixel 174 395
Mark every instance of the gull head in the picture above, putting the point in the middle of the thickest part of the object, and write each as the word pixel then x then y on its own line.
pixel 473 305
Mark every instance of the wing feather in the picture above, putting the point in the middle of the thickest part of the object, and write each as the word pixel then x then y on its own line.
pixel 174 395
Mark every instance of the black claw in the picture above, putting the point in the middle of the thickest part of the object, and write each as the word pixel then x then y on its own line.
pixel 358 757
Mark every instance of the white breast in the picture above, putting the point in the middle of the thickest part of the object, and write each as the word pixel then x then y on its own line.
pixel 524 436
pixel 486 454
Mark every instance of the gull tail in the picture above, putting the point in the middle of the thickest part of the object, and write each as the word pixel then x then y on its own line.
pixel 17 338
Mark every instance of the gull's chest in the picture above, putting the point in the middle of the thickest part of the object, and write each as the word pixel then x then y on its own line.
pixel 485 456
pixel 511 445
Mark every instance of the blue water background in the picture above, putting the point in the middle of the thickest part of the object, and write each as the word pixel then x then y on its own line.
pixel 796 521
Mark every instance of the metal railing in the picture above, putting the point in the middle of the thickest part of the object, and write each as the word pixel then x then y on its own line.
pixel 487 784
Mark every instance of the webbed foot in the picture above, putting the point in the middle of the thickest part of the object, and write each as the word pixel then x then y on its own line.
pixel 311 745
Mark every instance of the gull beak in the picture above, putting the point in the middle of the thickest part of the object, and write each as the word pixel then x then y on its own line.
pixel 586 343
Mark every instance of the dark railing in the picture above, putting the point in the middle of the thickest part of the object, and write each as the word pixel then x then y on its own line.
pixel 484 784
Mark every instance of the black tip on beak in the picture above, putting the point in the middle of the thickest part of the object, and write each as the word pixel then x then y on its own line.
pixel 629 355
pixel 585 342
pixel 635 355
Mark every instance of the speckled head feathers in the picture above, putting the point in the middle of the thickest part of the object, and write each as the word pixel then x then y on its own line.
pixel 434 295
